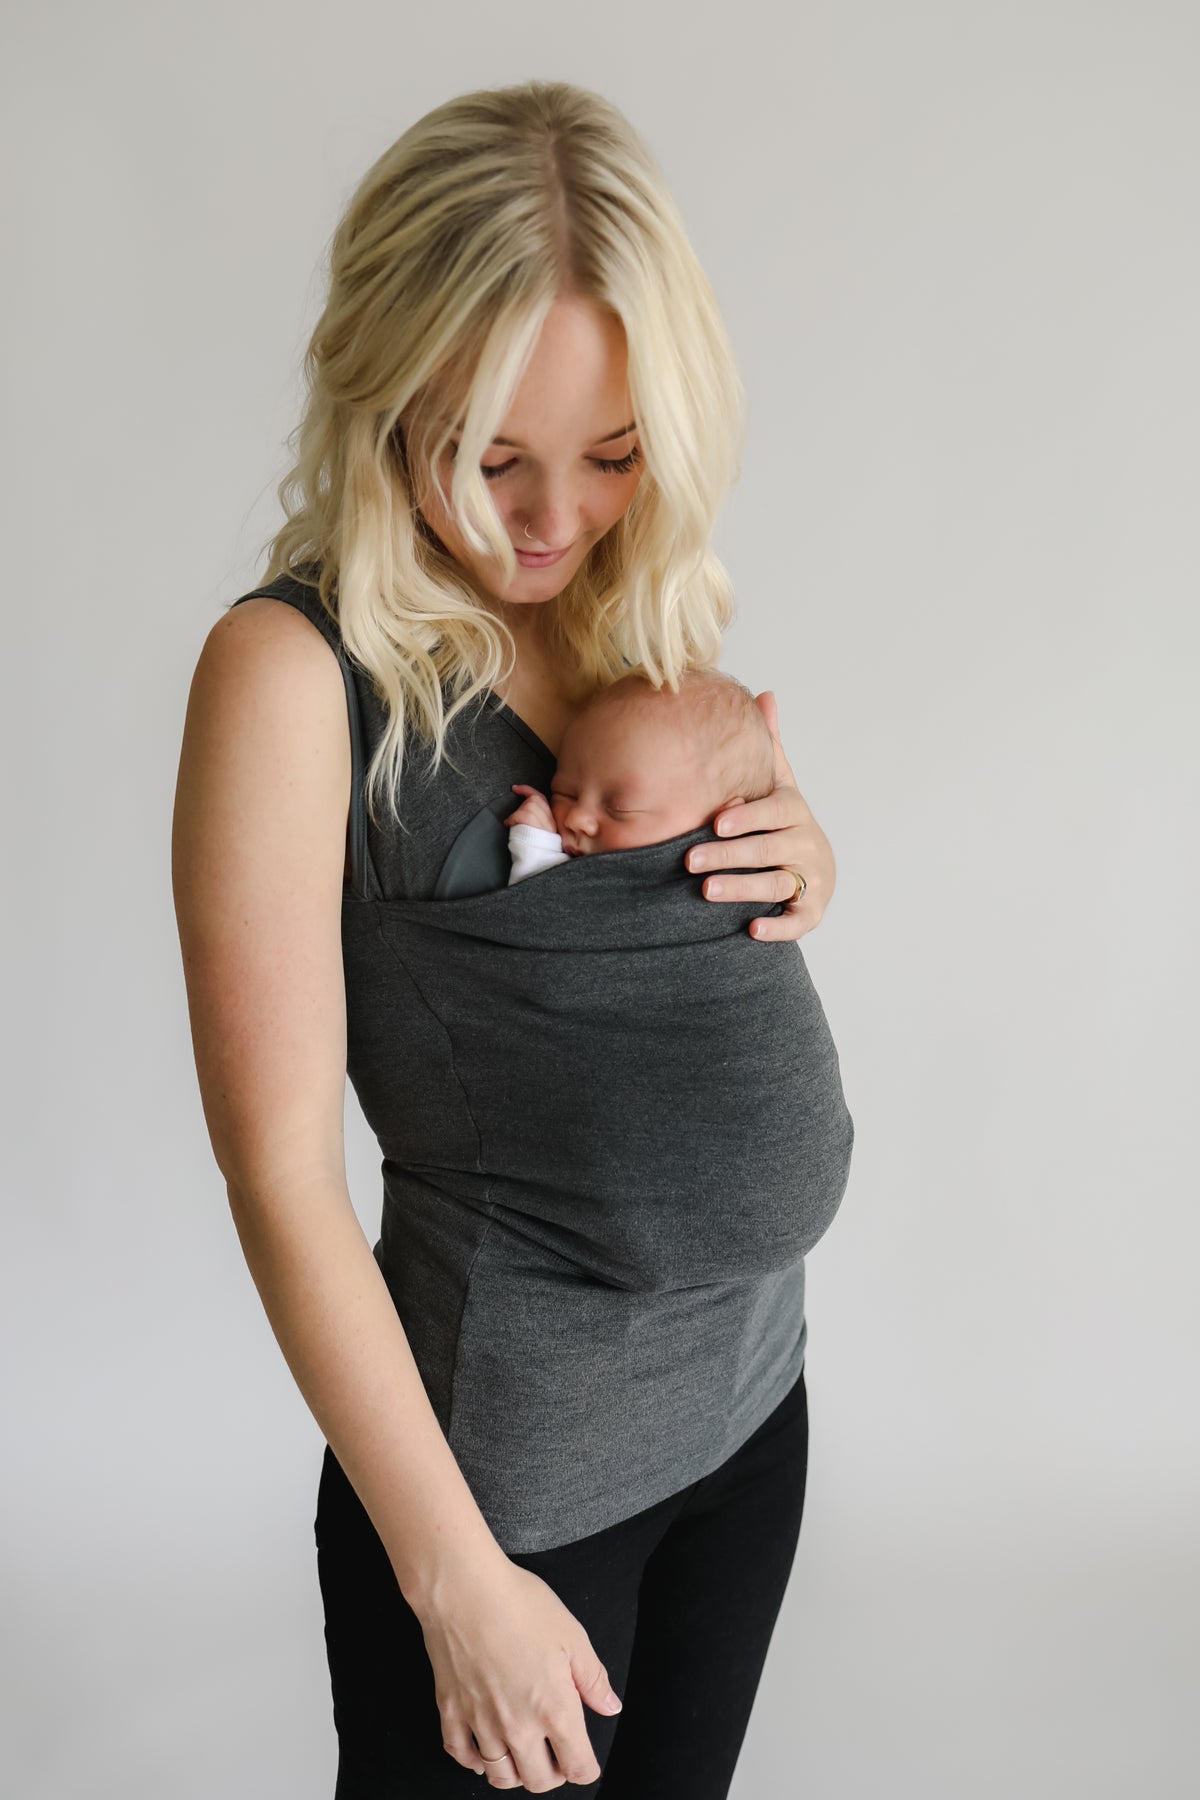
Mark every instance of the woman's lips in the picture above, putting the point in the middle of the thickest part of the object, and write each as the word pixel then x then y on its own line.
pixel 540 559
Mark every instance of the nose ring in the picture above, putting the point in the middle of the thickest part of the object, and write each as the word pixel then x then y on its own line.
pixel 527 531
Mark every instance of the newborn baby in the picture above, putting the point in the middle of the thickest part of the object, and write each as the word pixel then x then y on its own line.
pixel 638 765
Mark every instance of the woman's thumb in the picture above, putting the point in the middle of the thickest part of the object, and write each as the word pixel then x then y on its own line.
pixel 597 1692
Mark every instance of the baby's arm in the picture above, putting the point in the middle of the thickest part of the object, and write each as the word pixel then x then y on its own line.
pixel 533 840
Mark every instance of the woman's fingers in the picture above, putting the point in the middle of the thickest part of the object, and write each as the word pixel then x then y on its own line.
pixel 502 1684
pixel 776 829
pixel 775 834
pixel 783 809
pixel 772 885
pixel 459 1742
pixel 769 708
pixel 783 928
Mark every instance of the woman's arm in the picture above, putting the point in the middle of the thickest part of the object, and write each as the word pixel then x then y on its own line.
pixel 258 847
pixel 787 835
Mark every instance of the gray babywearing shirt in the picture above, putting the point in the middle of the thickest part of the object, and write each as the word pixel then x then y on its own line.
pixel 612 1126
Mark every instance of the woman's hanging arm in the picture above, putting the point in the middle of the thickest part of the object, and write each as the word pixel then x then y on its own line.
pixel 258 847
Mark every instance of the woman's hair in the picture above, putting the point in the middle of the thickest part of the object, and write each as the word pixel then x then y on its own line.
pixel 453 248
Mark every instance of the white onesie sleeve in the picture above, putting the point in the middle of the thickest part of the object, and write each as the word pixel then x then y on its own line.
pixel 533 850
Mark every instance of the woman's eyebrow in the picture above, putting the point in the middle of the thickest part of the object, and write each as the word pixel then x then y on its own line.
pixel 511 444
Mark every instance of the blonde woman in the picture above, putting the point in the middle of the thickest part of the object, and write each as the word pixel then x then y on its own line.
pixel 562 1459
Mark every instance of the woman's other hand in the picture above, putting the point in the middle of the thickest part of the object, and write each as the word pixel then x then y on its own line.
pixel 771 833
pixel 512 1668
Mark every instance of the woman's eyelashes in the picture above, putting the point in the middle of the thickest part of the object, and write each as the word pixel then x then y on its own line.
pixel 622 465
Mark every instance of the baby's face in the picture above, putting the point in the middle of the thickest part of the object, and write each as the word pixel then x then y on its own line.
pixel 625 779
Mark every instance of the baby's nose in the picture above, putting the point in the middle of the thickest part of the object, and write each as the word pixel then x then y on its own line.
pixel 578 823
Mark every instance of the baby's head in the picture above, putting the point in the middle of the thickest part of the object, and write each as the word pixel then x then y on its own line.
pixel 639 764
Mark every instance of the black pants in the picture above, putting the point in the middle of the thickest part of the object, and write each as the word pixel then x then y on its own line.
pixel 679 1601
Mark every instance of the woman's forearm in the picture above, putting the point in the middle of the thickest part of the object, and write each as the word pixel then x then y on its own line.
pixel 343 1341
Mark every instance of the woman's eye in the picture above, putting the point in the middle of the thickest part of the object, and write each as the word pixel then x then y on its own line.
pixel 622 464
pixel 608 465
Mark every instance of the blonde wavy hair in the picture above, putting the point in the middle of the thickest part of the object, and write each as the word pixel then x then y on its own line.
pixel 451 251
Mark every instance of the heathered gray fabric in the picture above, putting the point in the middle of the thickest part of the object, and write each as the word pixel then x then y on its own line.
pixel 612 1126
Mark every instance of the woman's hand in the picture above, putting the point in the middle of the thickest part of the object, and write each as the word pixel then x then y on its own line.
pixel 783 832
pixel 513 1667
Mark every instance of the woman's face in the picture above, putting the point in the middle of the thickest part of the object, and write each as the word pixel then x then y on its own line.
pixel 571 464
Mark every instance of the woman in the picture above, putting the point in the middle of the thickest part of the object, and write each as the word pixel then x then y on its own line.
pixel 523 416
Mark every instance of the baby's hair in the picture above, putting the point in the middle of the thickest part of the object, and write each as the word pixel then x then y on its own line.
pixel 720 714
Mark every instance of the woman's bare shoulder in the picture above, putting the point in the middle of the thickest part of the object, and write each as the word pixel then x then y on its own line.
pixel 267 654
pixel 267 709
pixel 258 847
pixel 265 619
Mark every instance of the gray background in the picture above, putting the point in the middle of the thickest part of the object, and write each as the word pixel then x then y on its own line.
pixel 956 247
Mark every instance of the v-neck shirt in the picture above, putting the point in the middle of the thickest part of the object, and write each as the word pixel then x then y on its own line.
pixel 570 1401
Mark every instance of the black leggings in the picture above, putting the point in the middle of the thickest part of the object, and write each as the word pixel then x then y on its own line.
pixel 679 1601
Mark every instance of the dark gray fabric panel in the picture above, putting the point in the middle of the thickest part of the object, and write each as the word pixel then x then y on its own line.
pixel 478 860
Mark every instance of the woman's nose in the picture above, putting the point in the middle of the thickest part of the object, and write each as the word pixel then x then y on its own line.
pixel 550 521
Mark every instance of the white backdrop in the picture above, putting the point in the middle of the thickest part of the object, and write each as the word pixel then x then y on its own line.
pixel 956 248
